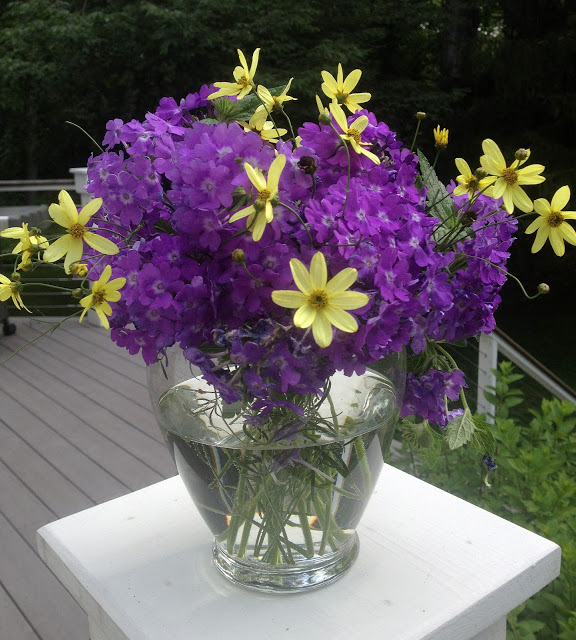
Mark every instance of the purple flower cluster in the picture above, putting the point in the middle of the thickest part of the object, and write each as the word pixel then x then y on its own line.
pixel 426 394
pixel 197 280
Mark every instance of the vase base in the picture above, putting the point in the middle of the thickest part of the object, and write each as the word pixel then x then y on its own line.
pixel 286 578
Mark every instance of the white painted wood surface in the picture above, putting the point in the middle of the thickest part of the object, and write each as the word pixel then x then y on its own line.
pixel 431 566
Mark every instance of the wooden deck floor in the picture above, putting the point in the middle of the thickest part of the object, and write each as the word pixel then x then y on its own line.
pixel 76 429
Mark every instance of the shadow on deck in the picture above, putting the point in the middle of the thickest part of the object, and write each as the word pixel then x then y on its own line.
pixel 76 429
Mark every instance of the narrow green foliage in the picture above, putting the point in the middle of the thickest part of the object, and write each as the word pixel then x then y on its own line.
pixel 533 487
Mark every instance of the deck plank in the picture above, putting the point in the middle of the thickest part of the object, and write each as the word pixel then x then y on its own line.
pixel 49 609
pixel 76 429
pixel 13 624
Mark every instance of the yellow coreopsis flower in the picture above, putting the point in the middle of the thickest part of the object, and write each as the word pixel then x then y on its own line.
pixel 273 103
pixel 353 132
pixel 340 90
pixel 508 180
pixel 9 289
pixel 262 210
pixel 103 292
pixel 243 76
pixel 264 128
pixel 468 182
pixel 319 303
pixel 72 243
pixel 551 223
pixel 30 243
pixel 440 138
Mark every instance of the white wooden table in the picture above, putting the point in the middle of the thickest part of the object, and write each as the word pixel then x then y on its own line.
pixel 430 566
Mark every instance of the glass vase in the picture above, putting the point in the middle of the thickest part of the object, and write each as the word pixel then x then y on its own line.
pixel 283 509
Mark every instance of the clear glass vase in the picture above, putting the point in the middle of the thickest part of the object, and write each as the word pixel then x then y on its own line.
pixel 284 509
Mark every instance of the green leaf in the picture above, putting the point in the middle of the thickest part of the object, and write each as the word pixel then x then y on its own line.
pixel 460 430
pixel 439 203
pixel 421 437
pixel 483 440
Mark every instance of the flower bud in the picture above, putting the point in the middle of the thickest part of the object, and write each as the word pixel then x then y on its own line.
pixel 543 288
pixel 308 165
pixel 15 276
pixel 275 200
pixel 259 205
pixel 325 118
pixel 238 256
pixel 79 269
pixel 78 293
pixel 480 173
pixel 521 154
pixel 420 115
pixel 440 138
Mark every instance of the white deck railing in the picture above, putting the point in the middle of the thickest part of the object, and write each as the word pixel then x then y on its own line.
pixel 498 342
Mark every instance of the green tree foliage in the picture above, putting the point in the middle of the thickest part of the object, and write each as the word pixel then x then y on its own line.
pixel 473 67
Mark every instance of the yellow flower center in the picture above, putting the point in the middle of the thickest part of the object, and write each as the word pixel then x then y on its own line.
pixel 341 97
pixel 77 230
pixel 244 82
pixel 510 176
pixel 98 297
pixel 555 219
pixel 355 135
pixel 264 195
pixel 318 299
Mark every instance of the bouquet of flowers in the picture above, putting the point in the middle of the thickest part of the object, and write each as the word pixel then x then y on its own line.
pixel 274 258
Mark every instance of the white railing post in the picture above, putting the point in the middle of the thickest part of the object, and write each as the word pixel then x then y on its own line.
pixel 80 179
pixel 487 361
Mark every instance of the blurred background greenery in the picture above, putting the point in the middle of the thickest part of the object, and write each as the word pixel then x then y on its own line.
pixel 504 69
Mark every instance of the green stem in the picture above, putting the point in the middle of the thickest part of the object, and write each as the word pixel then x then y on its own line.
pixel 305 526
pixel 364 466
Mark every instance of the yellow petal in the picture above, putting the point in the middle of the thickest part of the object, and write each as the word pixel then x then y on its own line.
pixel 521 200
pixel 289 299
pixel 247 211
pixel 360 124
pixel 322 330
pixel 536 224
pixel 103 318
pixel 255 58
pixel 57 249
pixel 352 80
pixel 375 159
pixel 560 198
pixel 542 206
pixel 557 242
pixel 358 97
pixel 117 283
pixel 318 271
pixel 301 276
pixel 349 300
pixel 464 168
pixel 495 157
pixel 243 62
pixel 255 176
pixel 341 319
pixel 100 244
pixel 68 207
pixel 338 114
pixel 74 253
pixel 275 171
pixel 341 281
pixel 89 210
pixel 339 76
pixel 305 316
pixel 13 232
pixel 540 239
pixel 104 276
pixel 568 233
pixel 259 226
pixel 57 214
